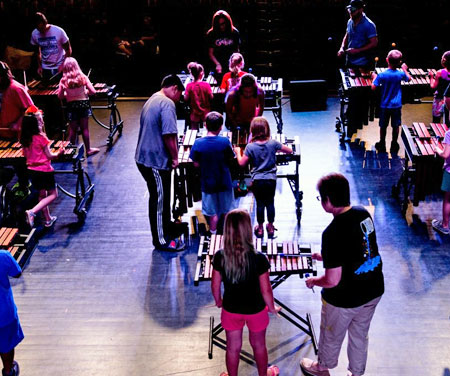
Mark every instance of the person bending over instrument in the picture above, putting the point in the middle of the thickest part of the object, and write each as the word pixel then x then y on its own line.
pixel 36 150
pixel 353 282
pixel 214 155
pixel 244 102
pixel 248 295
pixel 440 82
pixel 391 98
pixel 260 152
pixel 198 95
pixel 75 87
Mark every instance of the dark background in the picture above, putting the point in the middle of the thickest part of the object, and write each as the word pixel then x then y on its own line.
pixel 288 39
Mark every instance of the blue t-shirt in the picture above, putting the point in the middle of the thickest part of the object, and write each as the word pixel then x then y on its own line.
pixel 214 154
pixel 391 93
pixel 359 36
pixel 158 118
pixel 8 268
pixel 263 160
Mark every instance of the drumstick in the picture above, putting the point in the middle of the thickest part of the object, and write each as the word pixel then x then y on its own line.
pixel 312 288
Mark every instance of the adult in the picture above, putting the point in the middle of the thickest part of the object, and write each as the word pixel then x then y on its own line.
pixel 53 46
pixel 353 281
pixel 360 38
pixel 10 330
pixel 244 102
pixel 14 100
pixel 223 39
pixel 156 154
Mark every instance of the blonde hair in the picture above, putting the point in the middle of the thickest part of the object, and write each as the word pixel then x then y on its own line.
pixel 72 75
pixel 238 243
pixel 236 64
pixel 259 128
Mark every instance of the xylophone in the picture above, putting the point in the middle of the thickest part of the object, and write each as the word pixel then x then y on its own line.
pixel 47 93
pixel 286 258
pixel 186 176
pixel 422 170
pixel 273 92
pixel 21 246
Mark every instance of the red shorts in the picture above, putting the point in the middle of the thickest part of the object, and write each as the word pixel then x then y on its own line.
pixel 236 321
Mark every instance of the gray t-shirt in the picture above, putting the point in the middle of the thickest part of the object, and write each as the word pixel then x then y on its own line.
pixel 158 118
pixel 51 44
pixel 262 158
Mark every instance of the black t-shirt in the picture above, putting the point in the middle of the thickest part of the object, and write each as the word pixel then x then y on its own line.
pixel 350 242
pixel 224 44
pixel 244 297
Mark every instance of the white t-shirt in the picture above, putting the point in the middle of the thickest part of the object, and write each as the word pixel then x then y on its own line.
pixel 51 44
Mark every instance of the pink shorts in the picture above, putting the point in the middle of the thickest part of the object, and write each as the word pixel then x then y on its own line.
pixel 236 321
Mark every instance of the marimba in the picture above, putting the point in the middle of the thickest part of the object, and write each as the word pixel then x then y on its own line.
pixel 11 154
pixel 422 169
pixel 286 258
pixel 187 189
pixel 21 246
pixel 42 93
pixel 273 93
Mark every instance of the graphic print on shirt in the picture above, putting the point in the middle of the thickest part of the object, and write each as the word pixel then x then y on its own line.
pixel 49 46
pixel 223 42
pixel 370 264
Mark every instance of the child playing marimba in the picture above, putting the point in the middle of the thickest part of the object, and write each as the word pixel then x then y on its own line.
pixel 440 82
pixel 233 77
pixel 260 152
pixel 248 295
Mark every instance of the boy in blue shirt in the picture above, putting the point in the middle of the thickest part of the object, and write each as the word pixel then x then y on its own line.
pixel 391 98
pixel 214 154
pixel 10 331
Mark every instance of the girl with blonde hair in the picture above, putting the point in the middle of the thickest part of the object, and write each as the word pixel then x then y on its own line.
pixel 75 87
pixel 248 295
pixel 233 77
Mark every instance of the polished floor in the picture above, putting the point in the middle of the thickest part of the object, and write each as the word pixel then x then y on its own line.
pixel 96 299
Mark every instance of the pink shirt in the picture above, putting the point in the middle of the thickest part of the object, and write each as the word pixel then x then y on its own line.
pixel 199 96
pixel 15 100
pixel 35 154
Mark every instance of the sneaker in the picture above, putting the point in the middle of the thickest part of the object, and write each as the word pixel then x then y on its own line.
pixel 259 231
pixel 51 221
pixel 174 245
pixel 311 368
pixel 15 371
pixel 381 147
pixel 395 147
pixel 270 230
pixel 437 225
pixel 92 151
pixel 29 217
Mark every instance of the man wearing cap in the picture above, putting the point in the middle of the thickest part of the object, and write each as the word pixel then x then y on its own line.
pixel 360 38
pixel 156 154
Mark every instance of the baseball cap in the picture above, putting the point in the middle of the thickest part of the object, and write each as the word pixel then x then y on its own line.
pixel 355 5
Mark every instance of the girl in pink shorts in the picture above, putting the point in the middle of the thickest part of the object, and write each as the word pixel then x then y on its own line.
pixel 248 295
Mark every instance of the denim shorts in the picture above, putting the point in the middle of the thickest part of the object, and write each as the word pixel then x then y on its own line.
pixel 446 182
pixel 217 203
pixel 395 114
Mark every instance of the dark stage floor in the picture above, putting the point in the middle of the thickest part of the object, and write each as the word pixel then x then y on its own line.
pixel 97 300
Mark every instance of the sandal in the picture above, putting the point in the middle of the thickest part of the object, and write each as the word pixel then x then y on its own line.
pixel 259 231
pixel 273 371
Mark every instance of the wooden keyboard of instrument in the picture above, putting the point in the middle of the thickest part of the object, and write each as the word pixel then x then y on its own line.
pixel 21 246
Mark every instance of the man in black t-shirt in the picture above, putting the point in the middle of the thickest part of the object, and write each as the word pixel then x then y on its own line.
pixel 353 281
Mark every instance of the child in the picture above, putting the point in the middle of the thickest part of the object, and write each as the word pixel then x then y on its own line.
pixel 440 82
pixel 244 102
pixel 247 292
pixel 198 95
pixel 37 152
pixel 233 77
pixel 10 330
pixel 75 87
pixel 214 154
pixel 261 153
pixel 391 98
pixel 443 226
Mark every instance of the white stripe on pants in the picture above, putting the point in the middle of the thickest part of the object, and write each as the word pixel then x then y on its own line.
pixel 334 323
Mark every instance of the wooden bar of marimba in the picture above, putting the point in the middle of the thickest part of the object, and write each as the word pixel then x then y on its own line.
pixel 21 246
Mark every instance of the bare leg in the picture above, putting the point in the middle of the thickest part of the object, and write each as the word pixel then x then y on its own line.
pixel 45 199
pixel 84 125
pixel 7 359
pixel 73 127
pixel 234 344
pixel 258 342
pixel 446 209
